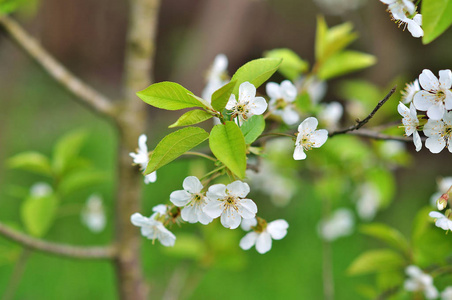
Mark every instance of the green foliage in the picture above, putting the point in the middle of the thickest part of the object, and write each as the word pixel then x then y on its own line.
pixel 292 66
pixel 75 181
pixel 38 213
pixel 384 181
pixel 374 261
pixel 345 62
pixel 31 161
pixel 256 72
pixel 66 151
pixel 174 145
pixel 188 246
pixel 192 117
pixel 387 234
pixel 253 128
pixel 436 18
pixel 9 6
pixel 228 145
pixel 169 95
pixel 221 96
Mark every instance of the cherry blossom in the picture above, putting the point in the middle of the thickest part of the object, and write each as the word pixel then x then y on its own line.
pixel 368 201
pixel 419 281
pixel 400 8
pixel 339 224
pixel 229 202
pixel 142 158
pixel 410 123
pixel 262 235
pixel 93 214
pixel 248 104
pixel 331 114
pixel 192 200
pixel 410 90
pixel 441 220
pixel 436 97
pixel 216 77
pixel 282 99
pixel 443 185
pixel 308 137
pixel 439 134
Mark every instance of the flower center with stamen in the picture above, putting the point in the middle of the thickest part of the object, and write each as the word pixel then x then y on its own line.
pixel 440 95
pixel 306 142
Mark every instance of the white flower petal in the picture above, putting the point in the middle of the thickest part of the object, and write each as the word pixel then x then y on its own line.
pixel 189 214
pixel 414 28
pixel 213 208
pixel 435 144
pixel 448 100
pixel 230 218
pixel 288 91
pixel 216 191
pixel 428 81
pixel 232 102
pixel 248 240
pixel 417 141
pixel 180 198
pixel 263 243
pixel 273 90
pixel 247 92
pixel 238 189
pixel 299 154
pixel 319 137
pixel 138 220
pixel 436 111
pixel 290 116
pixel 247 208
pixel 423 100
pixel 248 223
pixel 152 177
pixel 257 106
pixel 308 125
pixel 277 229
pixel 192 184
pixel 445 79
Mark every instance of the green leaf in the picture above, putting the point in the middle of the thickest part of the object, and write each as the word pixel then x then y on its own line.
pixel 256 72
pixel 292 66
pixel 31 161
pixel 174 145
pixel 436 18
pixel 192 117
pixel 388 235
pixel 76 181
pixel 38 214
pixel 345 62
pixel 66 151
pixel 9 6
pixel 252 128
pixel 169 95
pixel 228 145
pixel 384 182
pixel 221 96
pixel 374 261
pixel 187 246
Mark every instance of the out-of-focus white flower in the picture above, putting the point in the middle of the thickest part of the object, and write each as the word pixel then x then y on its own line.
pixel 419 281
pixel 142 158
pixel 331 114
pixel 248 104
pixel 192 200
pixel 400 8
pixel 410 122
pixel 41 189
pixel 439 134
pixel 315 88
pixel 229 202
pixel 152 228
pixel 216 77
pixel 413 25
pixel 368 201
pixel 282 99
pixel 392 148
pixel 443 185
pixel 447 293
pixel 263 234
pixel 93 214
pixel 339 224
pixel 410 90
pixel 308 137
pixel 339 7
pixel 436 97
pixel 441 220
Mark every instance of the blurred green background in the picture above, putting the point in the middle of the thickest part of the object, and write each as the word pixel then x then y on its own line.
pixel 88 37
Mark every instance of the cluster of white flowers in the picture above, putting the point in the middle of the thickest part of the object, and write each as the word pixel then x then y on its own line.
pixel 262 233
pixel 141 158
pixel 339 223
pixel 282 97
pixel 436 100
pixel 404 13
pixel 93 214
pixel 419 281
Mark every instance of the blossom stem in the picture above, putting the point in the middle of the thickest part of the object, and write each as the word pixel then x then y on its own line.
pixel 213 172
pixel 276 134
pixel 201 155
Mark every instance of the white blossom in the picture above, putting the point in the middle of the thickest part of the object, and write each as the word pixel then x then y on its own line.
pixel 441 220
pixel 229 202
pixel 262 237
pixel 368 201
pixel 447 293
pixel 282 99
pixel 41 189
pixel 248 104
pixel 154 229
pixel 216 77
pixel 419 281
pixel 331 114
pixel 410 123
pixel 192 200
pixel 308 137
pixel 142 158
pixel 93 214
pixel 410 90
pixel 413 25
pixel 439 134
pixel 339 224
pixel 443 185
pixel 315 88
pixel 436 97
pixel 400 8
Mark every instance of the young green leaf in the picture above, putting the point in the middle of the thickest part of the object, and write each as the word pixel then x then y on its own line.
pixel 31 161
pixel 345 62
pixel 76 181
pixel 374 261
pixel 192 117
pixel 387 234
pixel 228 145
pixel 436 18
pixel 174 145
pixel 38 214
pixel 169 95
pixel 66 150
pixel 256 72
pixel 252 128
pixel 292 66
pixel 221 96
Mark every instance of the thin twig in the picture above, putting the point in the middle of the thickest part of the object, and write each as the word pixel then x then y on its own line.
pixel 359 123
pixel 106 252
pixel 200 154
pixel 381 136
pixel 83 92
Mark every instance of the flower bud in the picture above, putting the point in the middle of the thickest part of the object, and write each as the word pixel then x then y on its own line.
pixel 441 203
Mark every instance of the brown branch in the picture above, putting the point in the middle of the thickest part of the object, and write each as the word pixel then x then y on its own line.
pixel 359 123
pixel 83 92
pixel 381 136
pixel 106 252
